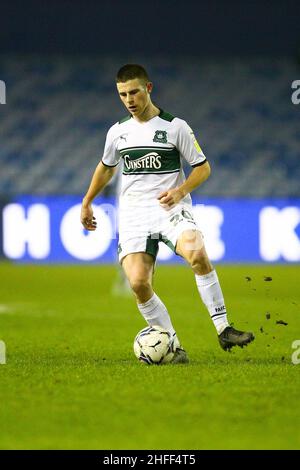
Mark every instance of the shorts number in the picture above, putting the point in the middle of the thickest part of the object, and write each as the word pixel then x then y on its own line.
pixel 187 215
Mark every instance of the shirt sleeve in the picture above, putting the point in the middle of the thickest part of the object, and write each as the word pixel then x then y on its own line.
pixel 111 155
pixel 188 146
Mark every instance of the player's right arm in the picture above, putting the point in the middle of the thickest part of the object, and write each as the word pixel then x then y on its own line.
pixel 101 177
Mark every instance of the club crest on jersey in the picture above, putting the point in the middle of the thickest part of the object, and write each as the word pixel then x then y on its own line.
pixel 161 137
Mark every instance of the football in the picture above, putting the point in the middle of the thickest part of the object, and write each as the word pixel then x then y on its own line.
pixel 154 345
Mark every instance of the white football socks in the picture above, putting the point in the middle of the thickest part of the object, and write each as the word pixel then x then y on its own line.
pixel 211 294
pixel 155 313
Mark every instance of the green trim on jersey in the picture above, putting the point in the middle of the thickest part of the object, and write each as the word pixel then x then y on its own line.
pixel 150 160
pixel 163 115
pixel 126 118
pixel 166 116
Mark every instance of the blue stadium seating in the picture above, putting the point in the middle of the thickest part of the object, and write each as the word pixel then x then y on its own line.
pixel 58 110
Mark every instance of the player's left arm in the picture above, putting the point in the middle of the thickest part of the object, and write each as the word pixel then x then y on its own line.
pixel 198 175
pixel 192 153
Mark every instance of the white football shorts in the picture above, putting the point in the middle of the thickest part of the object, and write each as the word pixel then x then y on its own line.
pixel 142 228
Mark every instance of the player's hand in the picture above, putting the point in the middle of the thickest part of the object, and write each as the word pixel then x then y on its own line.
pixel 87 218
pixel 169 199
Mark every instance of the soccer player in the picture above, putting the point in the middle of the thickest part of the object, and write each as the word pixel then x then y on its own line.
pixel 155 203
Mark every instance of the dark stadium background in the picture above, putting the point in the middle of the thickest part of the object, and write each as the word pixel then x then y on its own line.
pixel 200 28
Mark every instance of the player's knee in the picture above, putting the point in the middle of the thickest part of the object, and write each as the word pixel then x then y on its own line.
pixel 139 284
pixel 191 241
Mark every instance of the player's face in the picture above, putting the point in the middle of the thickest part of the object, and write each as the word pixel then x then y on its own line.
pixel 135 95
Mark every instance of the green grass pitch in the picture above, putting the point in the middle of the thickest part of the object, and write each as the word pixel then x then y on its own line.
pixel 71 380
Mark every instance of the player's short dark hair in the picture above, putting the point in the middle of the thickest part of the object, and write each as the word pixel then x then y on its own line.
pixel 130 72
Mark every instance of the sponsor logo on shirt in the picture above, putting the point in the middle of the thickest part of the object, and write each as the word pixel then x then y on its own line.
pixel 151 160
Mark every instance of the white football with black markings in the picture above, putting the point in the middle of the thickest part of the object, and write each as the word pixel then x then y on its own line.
pixel 154 345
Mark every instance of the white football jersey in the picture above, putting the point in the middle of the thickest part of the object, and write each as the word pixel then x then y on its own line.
pixel 152 154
